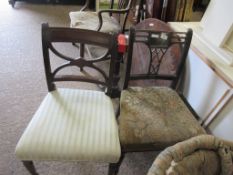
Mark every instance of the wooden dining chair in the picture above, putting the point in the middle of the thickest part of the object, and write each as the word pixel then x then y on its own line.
pixel 153 117
pixel 74 124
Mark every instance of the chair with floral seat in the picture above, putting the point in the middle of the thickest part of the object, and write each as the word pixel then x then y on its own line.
pixel 74 124
pixel 155 117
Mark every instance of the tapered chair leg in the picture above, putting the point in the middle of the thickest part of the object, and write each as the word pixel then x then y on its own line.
pixel 114 167
pixel 30 167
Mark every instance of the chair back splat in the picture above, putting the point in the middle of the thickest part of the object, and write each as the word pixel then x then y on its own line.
pixel 160 45
pixel 52 35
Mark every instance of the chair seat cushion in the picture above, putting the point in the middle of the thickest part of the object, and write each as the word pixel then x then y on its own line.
pixel 154 118
pixel 72 125
pixel 90 20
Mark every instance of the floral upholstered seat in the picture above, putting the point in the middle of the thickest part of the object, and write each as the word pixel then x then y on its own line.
pixel 154 117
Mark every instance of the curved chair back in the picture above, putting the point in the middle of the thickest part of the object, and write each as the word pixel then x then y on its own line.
pixel 69 35
pixel 166 51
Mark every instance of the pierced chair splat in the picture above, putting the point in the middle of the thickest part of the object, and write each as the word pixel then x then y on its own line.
pixel 74 124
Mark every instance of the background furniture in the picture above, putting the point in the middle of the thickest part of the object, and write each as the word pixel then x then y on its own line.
pixel 102 20
pixel 67 2
pixel 221 40
pixel 74 124
pixel 168 10
pixel 111 21
pixel 152 117
pixel 200 5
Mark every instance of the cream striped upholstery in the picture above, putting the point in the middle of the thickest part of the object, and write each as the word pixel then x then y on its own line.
pixel 72 125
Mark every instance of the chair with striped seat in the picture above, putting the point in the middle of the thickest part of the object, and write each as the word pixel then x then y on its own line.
pixel 74 124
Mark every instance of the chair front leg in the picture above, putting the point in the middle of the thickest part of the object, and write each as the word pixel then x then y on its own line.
pixel 114 167
pixel 30 167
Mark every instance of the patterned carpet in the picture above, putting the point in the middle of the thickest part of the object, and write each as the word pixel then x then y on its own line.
pixel 23 86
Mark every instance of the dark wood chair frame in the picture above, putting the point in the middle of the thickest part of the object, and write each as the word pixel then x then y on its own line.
pixel 157 48
pixel 52 35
